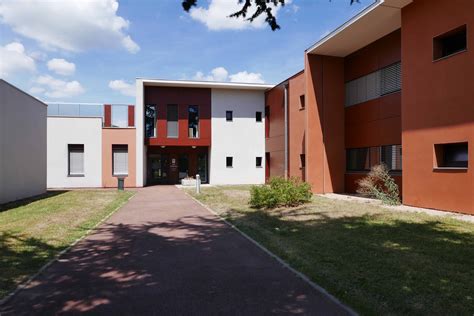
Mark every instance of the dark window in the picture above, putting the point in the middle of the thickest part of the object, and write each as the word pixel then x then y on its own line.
pixel 193 121
pixel 302 104
pixel 150 121
pixel 358 159
pixel 183 166
pixel 450 43
pixel 267 112
pixel 258 162
pixel 391 156
pixel 228 162
pixel 302 160
pixel 454 155
pixel 172 120
pixel 76 160
pixel 229 116
pixel 258 116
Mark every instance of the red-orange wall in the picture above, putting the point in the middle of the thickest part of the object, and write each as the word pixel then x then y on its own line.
pixel 275 126
pixel 325 150
pixel 183 97
pixel 296 126
pixel 376 122
pixel 437 105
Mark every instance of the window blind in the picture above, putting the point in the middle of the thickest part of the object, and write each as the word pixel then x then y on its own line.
pixel 120 160
pixel 76 160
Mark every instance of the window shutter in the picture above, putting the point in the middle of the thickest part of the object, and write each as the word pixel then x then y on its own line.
pixel 120 160
pixel 391 78
pixel 76 159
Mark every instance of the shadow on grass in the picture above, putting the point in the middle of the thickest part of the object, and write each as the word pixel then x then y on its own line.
pixel 192 265
pixel 18 203
pixel 374 263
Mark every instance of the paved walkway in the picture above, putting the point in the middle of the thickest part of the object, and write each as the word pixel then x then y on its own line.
pixel 164 254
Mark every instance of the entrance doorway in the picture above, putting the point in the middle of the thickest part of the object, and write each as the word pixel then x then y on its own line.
pixel 158 169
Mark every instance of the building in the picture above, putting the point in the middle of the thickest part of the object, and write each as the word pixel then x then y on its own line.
pixel 393 85
pixel 22 144
pixel 214 129
pixel 91 145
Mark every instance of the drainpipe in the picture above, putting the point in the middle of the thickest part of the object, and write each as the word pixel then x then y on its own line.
pixel 286 131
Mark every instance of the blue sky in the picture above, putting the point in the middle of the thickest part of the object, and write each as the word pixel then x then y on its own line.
pixel 92 50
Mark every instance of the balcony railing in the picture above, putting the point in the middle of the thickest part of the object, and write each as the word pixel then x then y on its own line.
pixel 117 116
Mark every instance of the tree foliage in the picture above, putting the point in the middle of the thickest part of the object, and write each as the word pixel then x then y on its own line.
pixel 261 7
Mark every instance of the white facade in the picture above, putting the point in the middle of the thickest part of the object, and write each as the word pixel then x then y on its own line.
pixel 64 131
pixel 22 144
pixel 243 138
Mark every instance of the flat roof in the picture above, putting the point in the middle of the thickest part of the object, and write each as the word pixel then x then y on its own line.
pixel 374 22
pixel 205 84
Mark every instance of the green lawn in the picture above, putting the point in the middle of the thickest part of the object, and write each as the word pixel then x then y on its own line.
pixel 34 231
pixel 375 260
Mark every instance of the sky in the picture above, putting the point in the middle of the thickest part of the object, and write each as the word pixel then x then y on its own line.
pixel 93 50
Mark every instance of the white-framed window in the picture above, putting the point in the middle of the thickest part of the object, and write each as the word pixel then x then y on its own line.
pixel 76 160
pixel 120 160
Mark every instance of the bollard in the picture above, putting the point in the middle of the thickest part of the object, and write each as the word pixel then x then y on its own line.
pixel 198 184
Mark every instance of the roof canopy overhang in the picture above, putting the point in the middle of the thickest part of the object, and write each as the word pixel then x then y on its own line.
pixel 379 19
pixel 205 84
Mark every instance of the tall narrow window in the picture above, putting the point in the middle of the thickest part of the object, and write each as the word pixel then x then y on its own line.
pixel 229 116
pixel 450 43
pixel 150 121
pixel 172 120
pixel 258 116
pixel 302 102
pixel 193 121
pixel 229 162
pixel 302 161
pixel 119 116
pixel 76 160
pixel 120 160
pixel 258 162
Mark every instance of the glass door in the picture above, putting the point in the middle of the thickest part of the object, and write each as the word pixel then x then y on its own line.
pixel 202 167
pixel 158 169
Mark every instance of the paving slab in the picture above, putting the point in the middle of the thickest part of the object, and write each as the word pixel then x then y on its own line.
pixel 165 254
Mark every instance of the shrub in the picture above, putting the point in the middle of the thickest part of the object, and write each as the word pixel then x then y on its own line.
pixel 280 192
pixel 380 185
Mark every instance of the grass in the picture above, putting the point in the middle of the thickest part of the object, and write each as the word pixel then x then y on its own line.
pixel 34 231
pixel 375 260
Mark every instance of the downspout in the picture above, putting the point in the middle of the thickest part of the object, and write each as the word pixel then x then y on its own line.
pixel 286 130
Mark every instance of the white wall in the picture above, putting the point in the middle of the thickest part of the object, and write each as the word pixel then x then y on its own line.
pixel 243 138
pixel 74 130
pixel 22 144
pixel 140 134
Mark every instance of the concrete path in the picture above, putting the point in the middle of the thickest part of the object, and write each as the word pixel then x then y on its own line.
pixel 164 254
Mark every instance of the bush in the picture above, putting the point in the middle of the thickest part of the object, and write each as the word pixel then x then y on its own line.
pixel 280 192
pixel 380 185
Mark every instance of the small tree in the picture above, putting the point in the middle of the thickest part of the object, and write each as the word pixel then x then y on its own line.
pixel 380 185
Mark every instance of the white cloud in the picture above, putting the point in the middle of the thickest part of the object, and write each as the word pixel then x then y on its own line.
pixel 72 25
pixel 122 87
pixel 249 77
pixel 215 17
pixel 13 59
pixel 56 88
pixel 61 66
pixel 36 90
pixel 221 74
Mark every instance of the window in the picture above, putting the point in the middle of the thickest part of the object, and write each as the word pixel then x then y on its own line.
pixel 258 162
pixel 193 121
pixel 267 112
pixel 374 85
pixel 258 116
pixel 450 43
pixel 229 162
pixel 302 104
pixel 454 155
pixel 302 161
pixel 120 160
pixel 172 120
pixel 229 117
pixel 150 121
pixel 358 159
pixel 119 116
pixel 76 160
pixel 391 156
